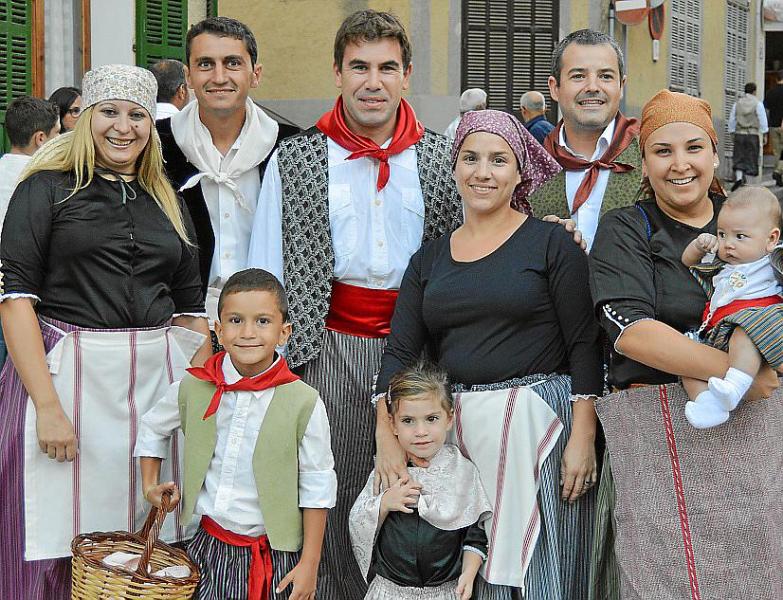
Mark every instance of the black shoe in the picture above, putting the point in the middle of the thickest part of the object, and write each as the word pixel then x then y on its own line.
pixel 778 177
pixel 739 183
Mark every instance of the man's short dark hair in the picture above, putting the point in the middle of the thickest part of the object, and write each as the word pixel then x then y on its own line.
pixel 585 37
pixel 254 280
pixel 170 75
pixel 224 27
pixel 371 26
pixel 750 88
pixel 26 116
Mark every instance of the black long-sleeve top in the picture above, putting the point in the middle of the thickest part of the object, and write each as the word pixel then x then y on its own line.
pixel 94 261
pixel 637 273
pixel 413 553
pixel 523 309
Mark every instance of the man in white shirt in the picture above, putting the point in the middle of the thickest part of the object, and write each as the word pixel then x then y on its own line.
pixel 343 206
pixel 594 143
pixel 30 123
pixel 172 88
pixel 747 120
pixel 204 146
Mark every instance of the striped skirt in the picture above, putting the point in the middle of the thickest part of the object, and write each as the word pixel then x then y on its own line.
pixel 559 566
pixel 383 589
pixel 689 513
pixel 764 326
pixel 343 374
pixel 224 569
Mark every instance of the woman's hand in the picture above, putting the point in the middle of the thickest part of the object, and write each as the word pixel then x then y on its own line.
pixel 56 436
pixel 765 383
pixel 578 468
pixel 154 494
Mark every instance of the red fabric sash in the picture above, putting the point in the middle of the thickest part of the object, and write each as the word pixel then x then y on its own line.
pixel 625 130
pixel 359 311
pixel 736 306
pixel 212 371
pixel 407 132
pixel 259 578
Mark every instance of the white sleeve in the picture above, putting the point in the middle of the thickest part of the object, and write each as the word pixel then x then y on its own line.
pixel 266 238
pixel 733 118
pixel 762 115
pixel 317 479
pixel 158 424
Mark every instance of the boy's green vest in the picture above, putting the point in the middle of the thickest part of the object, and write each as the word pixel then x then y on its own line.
pixel 621 189
pixel 275 459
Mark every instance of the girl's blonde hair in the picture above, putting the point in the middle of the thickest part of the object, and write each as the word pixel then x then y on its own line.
pixel 75 152
pixel 423 380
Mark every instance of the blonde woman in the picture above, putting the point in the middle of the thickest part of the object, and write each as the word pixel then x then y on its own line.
pixel 102 308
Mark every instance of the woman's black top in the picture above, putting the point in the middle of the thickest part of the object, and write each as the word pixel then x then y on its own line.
pixel 94 260
pixel 637 273
pixel 413 553
pixel 523 309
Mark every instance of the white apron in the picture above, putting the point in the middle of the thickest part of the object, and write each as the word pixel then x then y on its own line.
pixel 508 435
pixel 105 381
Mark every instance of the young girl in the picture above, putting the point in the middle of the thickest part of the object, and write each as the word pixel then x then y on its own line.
pixel 422 538
pixel 744 314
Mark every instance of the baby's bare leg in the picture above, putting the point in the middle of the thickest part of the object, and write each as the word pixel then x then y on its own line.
pixel 693 387
pixel 743 354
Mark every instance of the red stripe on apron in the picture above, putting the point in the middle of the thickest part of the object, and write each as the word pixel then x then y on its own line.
pixel 77 402
pixel 679 490
pixel 132 434
pixel 501 476
pixel 458 426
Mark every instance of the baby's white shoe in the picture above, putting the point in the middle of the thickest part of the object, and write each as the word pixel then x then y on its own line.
pixel 724 392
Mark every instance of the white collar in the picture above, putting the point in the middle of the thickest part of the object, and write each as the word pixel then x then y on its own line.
pixel 231 374
pixel 601 145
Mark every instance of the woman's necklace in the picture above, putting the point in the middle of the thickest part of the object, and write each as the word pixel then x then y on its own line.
pixel 128 193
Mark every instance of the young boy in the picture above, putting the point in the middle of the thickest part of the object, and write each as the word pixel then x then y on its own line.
pixel 259 469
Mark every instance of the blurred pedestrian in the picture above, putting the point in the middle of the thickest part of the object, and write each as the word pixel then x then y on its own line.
pixel 172 88
pixel 472 99
pixel 532 106
pixel 773 102
pixel 69 101
pixel 746 121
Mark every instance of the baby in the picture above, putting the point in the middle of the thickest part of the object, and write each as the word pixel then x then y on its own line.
pixel 744 314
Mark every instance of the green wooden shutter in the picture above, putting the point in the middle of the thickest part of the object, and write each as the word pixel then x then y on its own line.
pixel 16 59
pixel 161 26
pixel 212 8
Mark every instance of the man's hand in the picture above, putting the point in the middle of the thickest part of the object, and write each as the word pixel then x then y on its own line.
pixel 570 227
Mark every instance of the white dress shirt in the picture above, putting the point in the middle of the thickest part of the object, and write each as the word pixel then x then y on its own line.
pixel 229 495
pixel 590 212
pixel 163 110
pixel 374 233
pixel 11 167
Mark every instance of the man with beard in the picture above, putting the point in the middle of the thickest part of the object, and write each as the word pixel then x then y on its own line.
pixel 594 143
pixel 343 207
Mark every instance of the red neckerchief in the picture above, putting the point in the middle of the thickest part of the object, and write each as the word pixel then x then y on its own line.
pixel 212 371
pixel 407 132
pixel 625 130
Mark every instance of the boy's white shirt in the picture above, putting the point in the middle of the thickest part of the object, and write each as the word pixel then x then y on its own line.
pixel 744 282
pixel 229 495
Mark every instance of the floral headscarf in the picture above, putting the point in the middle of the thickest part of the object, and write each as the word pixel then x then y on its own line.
pixel 535 165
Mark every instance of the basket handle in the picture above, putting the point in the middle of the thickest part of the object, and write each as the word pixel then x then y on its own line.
pixel 150 532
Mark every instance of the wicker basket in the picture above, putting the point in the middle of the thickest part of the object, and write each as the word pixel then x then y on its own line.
pixel 94 580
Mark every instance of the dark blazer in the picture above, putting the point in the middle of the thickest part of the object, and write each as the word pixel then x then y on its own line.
pixel 179 170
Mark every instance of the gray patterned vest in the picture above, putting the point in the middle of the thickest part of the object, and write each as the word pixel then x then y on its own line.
pixel 308 256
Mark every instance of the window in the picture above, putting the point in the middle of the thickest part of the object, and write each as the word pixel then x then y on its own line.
pixel 737 12
pixel 15 56
pixel 685 46
pixel 160 30
pixel 507 49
